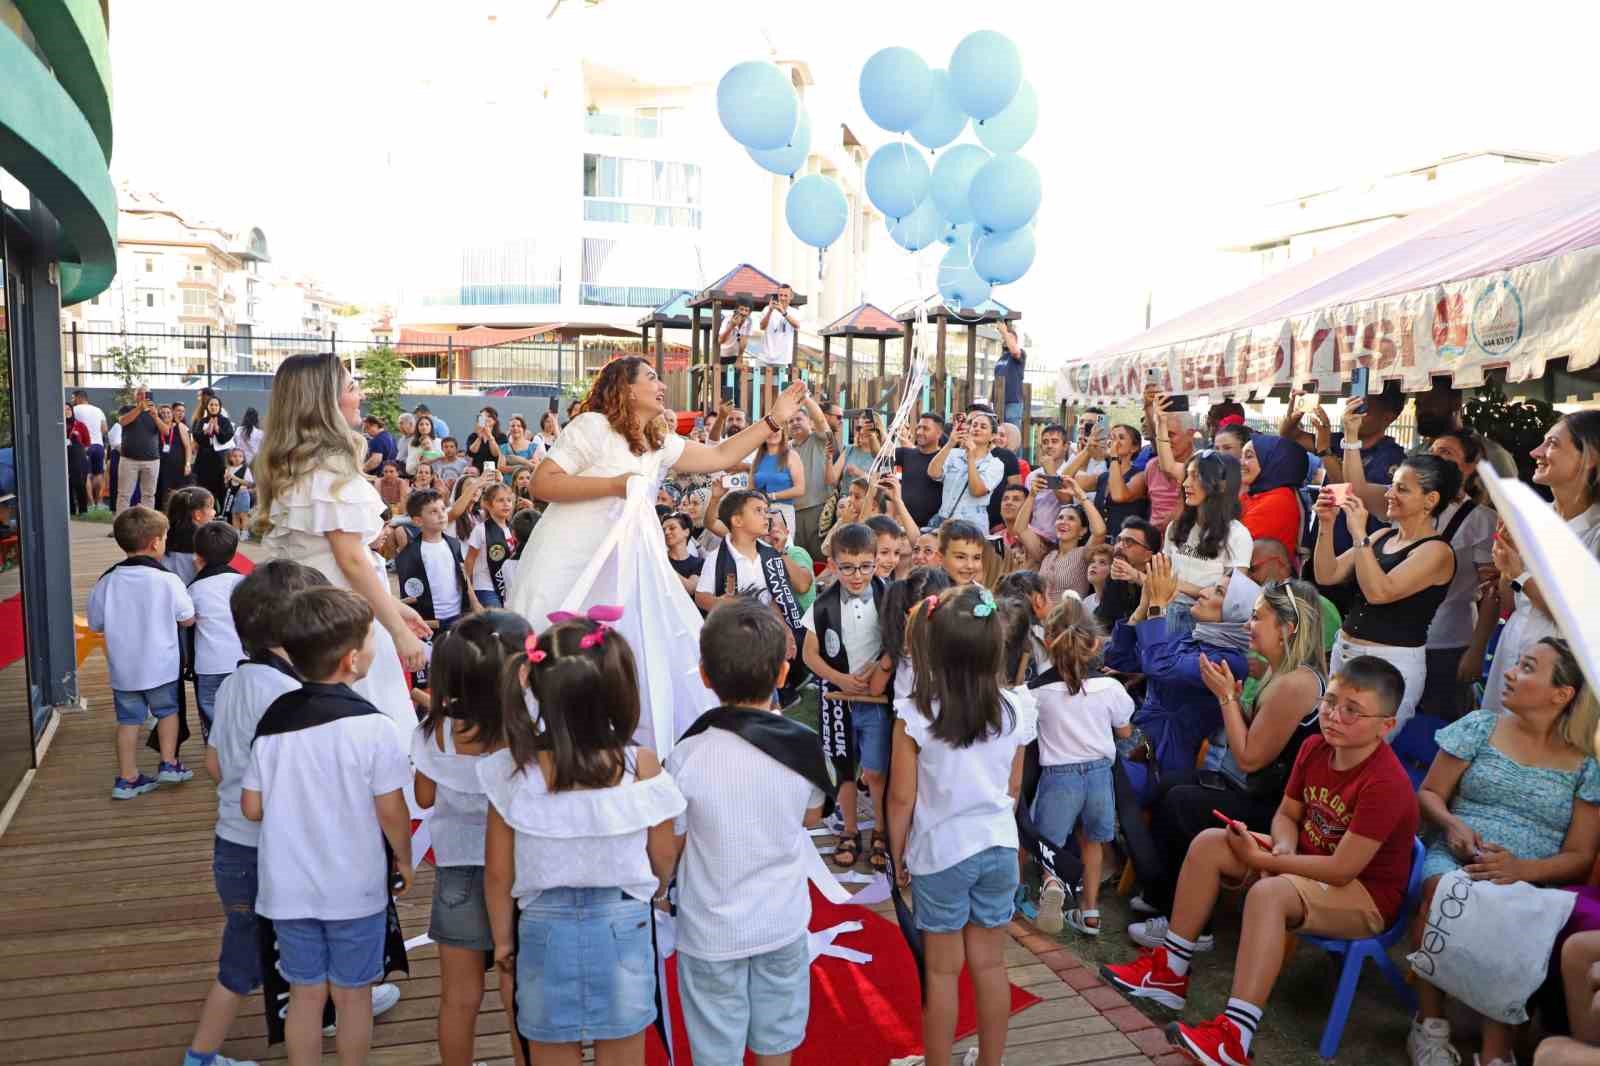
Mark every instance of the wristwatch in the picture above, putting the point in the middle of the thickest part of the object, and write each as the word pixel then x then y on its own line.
pixel 1155 610
pixel 772 424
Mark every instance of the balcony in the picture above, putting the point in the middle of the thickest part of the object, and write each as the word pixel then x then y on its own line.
pixel 608 125
pixel 599 209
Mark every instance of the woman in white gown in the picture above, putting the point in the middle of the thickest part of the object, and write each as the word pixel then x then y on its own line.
pixel 599 541
pixel 314 507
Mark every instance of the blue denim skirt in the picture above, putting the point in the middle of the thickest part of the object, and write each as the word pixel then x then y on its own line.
pixel 585 966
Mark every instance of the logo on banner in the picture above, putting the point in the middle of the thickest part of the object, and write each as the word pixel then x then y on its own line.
pixel 1497 323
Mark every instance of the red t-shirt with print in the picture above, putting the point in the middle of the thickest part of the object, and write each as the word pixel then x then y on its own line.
pixel 1374 800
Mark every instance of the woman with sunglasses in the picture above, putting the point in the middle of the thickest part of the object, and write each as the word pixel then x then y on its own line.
pixel 1402 574
pixel 1207 539
pixel 1250 762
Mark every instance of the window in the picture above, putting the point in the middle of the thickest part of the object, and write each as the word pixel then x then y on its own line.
pixel 194 338
pixel 614 270
pixel 149 264
pixel 149 299
pixel 649 192
pixel 98 326
pixel 196 302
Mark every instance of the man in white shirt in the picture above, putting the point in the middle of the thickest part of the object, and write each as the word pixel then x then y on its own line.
pixel 778 325
pixel 94 420
pixel 732 340
pixel 751 783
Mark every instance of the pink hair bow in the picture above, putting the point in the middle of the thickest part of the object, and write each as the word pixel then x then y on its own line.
pixel 531 646
pixel 599 613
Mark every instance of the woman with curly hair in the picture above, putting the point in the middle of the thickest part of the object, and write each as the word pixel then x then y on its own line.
pixel 599 541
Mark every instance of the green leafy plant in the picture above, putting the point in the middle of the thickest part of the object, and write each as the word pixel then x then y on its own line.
pixel 383 378
pixel 129 364
pixel 1516 425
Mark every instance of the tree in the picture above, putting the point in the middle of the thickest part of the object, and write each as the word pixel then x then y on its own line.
pixel 130 365
pixel 383 378
pixel 1516 425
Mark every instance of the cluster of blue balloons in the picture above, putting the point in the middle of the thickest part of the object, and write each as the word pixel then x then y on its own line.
pixel 979 199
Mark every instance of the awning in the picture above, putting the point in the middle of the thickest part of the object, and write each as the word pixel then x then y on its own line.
pixel 430 342
pixel 1505 277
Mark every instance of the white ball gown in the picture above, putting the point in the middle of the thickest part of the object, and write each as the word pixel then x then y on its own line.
pixel 610 551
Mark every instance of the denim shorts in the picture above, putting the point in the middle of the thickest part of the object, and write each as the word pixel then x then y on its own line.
pixel 460 917
pixel 869 729
pixel 761 1002
pixel 1076 794
pixel 205 696
pixel 586 968
pixel 488 598
pixel 348 953
pixel 979 890
pixel 134 706
pixel 233 867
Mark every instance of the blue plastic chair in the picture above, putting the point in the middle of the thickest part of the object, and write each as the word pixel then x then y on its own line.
pixel 1415 747
pixel 1376 948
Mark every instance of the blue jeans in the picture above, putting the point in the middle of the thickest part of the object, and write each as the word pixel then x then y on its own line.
pixel 205 696
pixel 1013 413
pixel 233 867
pixel 979 890
pixel 585 966
pixel 761 1002
pixel 869 728
pixel 133 706
pixel 488 598
pixel 346 952
pixel 1076 794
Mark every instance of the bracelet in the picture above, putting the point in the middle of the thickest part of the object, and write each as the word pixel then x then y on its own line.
pixel 772 424
pixel 1349 447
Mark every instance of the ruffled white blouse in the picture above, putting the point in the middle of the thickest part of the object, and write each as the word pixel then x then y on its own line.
pixel 582 838
pixel 460 809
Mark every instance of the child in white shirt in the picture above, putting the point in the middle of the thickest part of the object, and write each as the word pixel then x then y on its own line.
pixel 217 649
pixel 138 605
pixel 957 763
pixel 490 545
pixel 1079 716
pixel 464 725
pixel 325 780
pixel 753 782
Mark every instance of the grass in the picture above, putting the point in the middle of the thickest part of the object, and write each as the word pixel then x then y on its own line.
pixel 99 516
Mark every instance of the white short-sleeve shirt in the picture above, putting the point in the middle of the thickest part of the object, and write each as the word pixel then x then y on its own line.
pixel 216 643
pixel 480 576
pixel 93 419
pixel 1190 569
pixel 1075 728
pixel 321 852
pixel 742 886
pixel 138 608
pixel 589 446
pixel 439 563
pixel 862 636
pixel 242 699
pixel 777 347
pixel 964 802
pixel 747 574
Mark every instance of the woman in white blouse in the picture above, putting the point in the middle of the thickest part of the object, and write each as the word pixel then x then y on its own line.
pixel 1207 539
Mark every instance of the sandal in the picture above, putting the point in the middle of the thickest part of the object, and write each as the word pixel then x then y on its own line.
pixel 846 852
pixel 1079 920
pixel 878 854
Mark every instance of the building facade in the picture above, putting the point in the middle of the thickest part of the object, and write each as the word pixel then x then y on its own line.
pixel 58 219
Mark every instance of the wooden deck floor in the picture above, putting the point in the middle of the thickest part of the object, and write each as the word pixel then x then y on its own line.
pixel 109 925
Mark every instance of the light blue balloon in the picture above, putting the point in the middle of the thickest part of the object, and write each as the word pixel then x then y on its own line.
pixel 957 236
pixel 792 156
pixel 985 73
pixel 1001 258
pixel 816 210
pixel 897 179
pixel 952 180
pixel 944 120
pixel 757 105
pixel 896 88
pixel 959 285
pixel 918 229
pixel 1005 194
pixel 1010 129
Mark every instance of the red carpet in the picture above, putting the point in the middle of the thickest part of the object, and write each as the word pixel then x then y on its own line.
pixel 242 564
pixel 11 632
pixel 859 1014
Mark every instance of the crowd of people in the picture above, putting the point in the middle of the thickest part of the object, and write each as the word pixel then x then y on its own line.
pixel 1131 635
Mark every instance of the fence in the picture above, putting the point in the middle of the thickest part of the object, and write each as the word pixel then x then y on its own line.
pixel 195 358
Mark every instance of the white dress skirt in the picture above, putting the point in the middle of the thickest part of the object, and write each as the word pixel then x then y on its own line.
pixel 610 551
pixel 302 517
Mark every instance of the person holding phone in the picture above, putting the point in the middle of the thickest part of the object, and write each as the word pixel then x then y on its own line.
pixel 484 444
pixel 1009 369
pixel 967 470
pixel 140 450
pixel 1401 575
pixel 779 325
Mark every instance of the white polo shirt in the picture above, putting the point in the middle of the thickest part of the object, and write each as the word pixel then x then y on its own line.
pixel 747 574
pixel 241 701
pixel 216 643
pixel 138 608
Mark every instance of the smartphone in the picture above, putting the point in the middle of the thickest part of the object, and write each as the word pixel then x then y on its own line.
pixel 1341 492
pixel 1359 379
pixel 1178 403
pixel 1052 481
pixel 488 466
pixel 1308 400
pixel 857 412
pixel 1152 378
pixel 736 481
pixel 483 421
pixel 1261 838
pixel 899 473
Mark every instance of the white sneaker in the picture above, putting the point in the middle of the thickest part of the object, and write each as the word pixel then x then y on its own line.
pixel 1052 902
pixel 1512 1061
pixel 384 997
pixel 1428 1043
pixel 1152 933
pixel 223 1060
pixel 1139 906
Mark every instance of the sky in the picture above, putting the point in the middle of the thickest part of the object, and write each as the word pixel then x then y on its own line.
pixel 1163 126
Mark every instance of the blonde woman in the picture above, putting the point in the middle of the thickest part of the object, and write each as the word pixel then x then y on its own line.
pixel 315 508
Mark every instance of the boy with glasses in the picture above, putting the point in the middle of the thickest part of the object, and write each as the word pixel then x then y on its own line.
pixel 1336 864
pixel 843 640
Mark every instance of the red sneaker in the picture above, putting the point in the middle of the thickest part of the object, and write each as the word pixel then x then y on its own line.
pixel 1213 1043
pixel 1149 977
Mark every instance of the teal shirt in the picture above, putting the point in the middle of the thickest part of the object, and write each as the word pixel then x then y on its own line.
pixel 800 557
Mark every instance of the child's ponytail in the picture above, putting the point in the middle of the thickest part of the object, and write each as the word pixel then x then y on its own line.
pixel 466 671
pixel 1073 640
